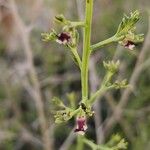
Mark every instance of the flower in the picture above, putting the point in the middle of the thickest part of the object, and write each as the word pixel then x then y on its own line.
pixel 81 125
pixel 130 45
pixel 63 38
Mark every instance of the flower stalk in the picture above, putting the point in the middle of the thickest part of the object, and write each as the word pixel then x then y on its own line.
pixel 76 56
pixel 86 49
pixel 105 42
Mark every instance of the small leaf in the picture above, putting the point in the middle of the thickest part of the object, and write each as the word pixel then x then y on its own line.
pixel 58 102
pixel 122 145
pixel 128 23
pixel 126 31
pixel 64 115
pixel 61 19
pixel 117 143
pixel 72 99
pixel 52 36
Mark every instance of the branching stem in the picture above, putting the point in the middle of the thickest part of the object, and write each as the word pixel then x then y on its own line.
pixel 106 42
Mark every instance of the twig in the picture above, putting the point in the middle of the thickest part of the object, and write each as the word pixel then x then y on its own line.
pixel 24 36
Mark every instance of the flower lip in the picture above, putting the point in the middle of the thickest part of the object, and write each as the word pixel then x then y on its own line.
pixel 130 45
pixel 63 38
pixel 81 125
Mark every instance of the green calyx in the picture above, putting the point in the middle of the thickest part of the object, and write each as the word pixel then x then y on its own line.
pixel 111 66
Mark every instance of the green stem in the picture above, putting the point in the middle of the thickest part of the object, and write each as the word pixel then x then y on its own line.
pixel 80 144
pixel 93 146
pixel 107 78
pixel 78 24
pixel 89 143
pixel 103 88
pixel 77 57
pixel 97 94
pixel 105 42
pixel 86 49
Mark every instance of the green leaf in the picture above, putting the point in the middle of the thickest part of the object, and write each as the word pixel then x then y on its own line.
pixel 117 143
pixel 72 99
pixel 128 23
pixel 138 38
pixel 61 19
pixel 62 116
pixel 126 30
pixel 52 36
pixel 65 115
pixel 58 102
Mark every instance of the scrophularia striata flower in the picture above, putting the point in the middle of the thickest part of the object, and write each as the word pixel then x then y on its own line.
pixel 129 44
pixel 81 125
pixel 63 38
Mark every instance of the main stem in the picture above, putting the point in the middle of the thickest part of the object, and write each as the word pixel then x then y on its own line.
pixel 86 49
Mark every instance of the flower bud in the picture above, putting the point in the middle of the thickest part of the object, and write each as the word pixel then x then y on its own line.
pixel 61 19
pixel 111 66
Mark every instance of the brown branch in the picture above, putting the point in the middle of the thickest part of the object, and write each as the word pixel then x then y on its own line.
pixel 24 37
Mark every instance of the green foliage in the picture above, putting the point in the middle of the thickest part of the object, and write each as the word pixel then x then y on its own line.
pixel 61 19
pixel 115 143
pixel 72 98
pixel 125 34
pixel 58 102
pixel 49 36
pixel 66 113
pixel 128 23
pixel 127 28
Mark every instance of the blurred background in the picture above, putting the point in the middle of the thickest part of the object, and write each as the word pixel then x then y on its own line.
pixel 32 72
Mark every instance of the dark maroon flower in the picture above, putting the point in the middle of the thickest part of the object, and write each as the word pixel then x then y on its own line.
pixel 130 45
pixel 63 38
pixel 81 125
